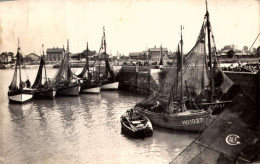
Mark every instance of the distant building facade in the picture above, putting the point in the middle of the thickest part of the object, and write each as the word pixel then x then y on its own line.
pixel 155 53
pixel 31 58
pixel 6 58
pixel 54 54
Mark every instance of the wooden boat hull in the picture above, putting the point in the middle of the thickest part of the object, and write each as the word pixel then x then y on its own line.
pixel 20 96
pixel 69 91
pixel 110 86
pixel 190 122
pixel 216 107
pixel 50 93
pixel 145 131
pixel 91 90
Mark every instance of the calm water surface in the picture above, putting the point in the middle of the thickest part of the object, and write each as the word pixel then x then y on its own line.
pixel 83 129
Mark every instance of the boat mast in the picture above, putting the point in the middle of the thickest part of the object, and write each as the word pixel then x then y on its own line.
pixel 210 56
pixel 161 60
pixel 105 49
pixel 87 59
pixel 44 62
pixel 19 61
pixel 182 107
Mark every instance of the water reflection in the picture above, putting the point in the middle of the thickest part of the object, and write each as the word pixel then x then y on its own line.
pixel 16 111
pixel 83 129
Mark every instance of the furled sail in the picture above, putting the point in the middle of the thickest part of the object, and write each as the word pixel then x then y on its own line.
pixel 162 93
pixel 195 71
pixel 38 81
pixel 13 84
pixel 110 72
pixel 195 74
pixel 84 70
pixel 64 73
pixel 86 67
pixel 232 137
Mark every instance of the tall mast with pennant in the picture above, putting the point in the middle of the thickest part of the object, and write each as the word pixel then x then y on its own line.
pixel 182 103
pixel 210 55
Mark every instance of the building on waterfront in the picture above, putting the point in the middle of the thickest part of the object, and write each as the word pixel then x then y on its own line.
pixel 154 54
pixel 31 58
pixel 54 55
pixel 138 55
pixel 6 58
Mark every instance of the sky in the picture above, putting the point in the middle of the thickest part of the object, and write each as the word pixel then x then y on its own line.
pixel 131 25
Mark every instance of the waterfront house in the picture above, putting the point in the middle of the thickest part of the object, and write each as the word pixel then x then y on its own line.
pixel 54 55
pixel 134 55
pixel 154 54
pixel 6 57
pixel 31 58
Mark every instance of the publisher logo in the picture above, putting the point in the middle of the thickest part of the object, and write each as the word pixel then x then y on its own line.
pixel 232 139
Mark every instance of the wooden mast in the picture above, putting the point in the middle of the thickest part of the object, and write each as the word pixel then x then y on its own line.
pixel 44 62
pixel 19 61
pixel 210 56
pixel 105 49
pixel 182 103
pixel 87 59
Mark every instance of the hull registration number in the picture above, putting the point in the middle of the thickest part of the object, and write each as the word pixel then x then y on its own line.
pixel 192 121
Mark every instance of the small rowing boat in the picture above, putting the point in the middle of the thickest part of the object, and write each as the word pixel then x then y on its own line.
pixel 136 124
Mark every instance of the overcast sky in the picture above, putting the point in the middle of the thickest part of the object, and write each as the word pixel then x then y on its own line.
pixel 131 26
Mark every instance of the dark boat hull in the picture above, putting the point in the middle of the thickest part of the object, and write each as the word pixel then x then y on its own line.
pixel 41 93
pixel 187 122
pixel 72 90
pixel 140 132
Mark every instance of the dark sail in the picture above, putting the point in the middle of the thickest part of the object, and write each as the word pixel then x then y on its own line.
pixel 194 74
pixel 161 59
pixel 38 80
pixel 13 84
pixel 63 73
pixel 86 67
pixel 110 72
pixel 229 138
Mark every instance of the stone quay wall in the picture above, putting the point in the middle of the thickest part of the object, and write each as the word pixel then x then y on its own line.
pixel 145 79
pixel 141 79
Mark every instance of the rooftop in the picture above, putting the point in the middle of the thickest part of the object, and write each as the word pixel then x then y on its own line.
pixel 55 49
pixel 157 49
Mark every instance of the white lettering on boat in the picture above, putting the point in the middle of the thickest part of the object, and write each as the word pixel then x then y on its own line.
pixel 216 106
pixel 192 121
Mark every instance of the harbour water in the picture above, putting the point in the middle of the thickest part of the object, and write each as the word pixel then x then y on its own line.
pixel 82 129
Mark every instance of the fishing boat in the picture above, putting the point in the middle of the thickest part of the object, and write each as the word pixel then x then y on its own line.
pixel 136 124
pixel 173 114
pixel 186 98
pixel 108 80
pixel 43 90
pixel 19 93
pixel 205 83
pixel 65 81
pixel 89 82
